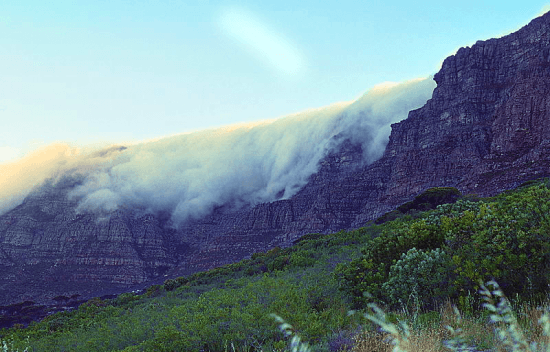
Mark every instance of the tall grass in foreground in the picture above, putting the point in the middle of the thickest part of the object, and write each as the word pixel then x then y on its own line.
pixel 7 346
pixel 526 330
pixel 507 334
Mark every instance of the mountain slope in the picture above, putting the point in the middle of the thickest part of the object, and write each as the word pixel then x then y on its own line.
pixel 485 129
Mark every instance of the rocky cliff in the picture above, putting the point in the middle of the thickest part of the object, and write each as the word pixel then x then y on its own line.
pixel 485 129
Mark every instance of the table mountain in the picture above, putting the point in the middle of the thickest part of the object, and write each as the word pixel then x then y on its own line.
pixel 485 129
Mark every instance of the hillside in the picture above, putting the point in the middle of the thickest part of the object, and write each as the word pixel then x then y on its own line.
pixel 419 260
pixel 484 130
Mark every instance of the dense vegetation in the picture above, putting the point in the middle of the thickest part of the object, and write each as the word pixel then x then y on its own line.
pixel 410 259
pixel 448 251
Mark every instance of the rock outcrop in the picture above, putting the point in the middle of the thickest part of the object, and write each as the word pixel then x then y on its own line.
pixel 485 129
pixel 47 249
pixel 487 125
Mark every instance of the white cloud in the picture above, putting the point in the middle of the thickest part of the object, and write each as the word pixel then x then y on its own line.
pixel 266 44
pixel 8 153
pixel 545 8
pixel 189 175
pixel 19 177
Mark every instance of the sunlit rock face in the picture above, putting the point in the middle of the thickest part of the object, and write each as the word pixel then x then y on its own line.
pixel 485 129
pixel 487 125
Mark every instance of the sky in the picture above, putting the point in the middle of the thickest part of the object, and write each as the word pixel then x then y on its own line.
pixel 99 72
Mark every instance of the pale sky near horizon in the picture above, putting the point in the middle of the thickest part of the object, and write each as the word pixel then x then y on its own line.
pixel 124 71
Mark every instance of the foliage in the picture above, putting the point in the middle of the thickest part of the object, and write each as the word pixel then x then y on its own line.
pixel 438 254
pixel 8 346
pixel 427 200
pixel 210 311
pixel 506 238
pixel 431 198
pixel 172 284
pixel 507 329
pixel 371 271
pixel 420 277
pixel 296 344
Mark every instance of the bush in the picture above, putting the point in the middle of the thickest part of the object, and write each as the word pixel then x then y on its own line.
pixel 126 298
pixel 371 271
pixel 153 291
pixel 421 277
pixel 172 284
pixel 506 238
pixel 93 306
pixel 278 263
pixel 303 258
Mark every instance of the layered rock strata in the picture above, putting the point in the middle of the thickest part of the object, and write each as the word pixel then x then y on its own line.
pixel 485 129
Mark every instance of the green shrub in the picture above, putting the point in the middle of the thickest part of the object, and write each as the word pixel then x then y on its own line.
pixel 278 263
pixel 420 277
pixel 153 291
pixel 508 332
pixel 371 271
pixel 93 306
pixel 172 284
pixel 303 258
pixel 126 298
pixel 508 240
pixel 309 237
pixel 224 309
pixel 389 216
pixel 430 199
pixel 427 319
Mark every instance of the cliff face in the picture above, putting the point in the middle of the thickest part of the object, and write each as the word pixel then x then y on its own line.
pixel 47 249
pixel 486 129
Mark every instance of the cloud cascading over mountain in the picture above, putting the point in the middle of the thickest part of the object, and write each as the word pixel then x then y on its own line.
pixel 188 175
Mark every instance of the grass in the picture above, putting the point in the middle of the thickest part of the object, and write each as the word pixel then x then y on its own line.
pixel 227 308
pixel 528 330
pixel 501 327
pixel 7 346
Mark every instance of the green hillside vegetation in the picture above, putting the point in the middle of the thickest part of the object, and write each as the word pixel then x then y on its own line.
pixel 414 263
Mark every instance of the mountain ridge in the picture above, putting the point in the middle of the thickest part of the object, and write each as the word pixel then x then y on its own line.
pixel 485 129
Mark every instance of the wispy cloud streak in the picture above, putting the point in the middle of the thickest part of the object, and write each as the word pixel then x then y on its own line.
pixel 261 41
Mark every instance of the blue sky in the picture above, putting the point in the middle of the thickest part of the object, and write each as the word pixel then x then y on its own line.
pixel 123 71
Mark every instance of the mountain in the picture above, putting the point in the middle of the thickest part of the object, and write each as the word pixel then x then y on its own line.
pixel 485 129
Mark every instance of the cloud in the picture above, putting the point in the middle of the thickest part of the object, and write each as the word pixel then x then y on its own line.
pixel 368 120
pixel 189 175
pixel 19 177
pixel 8 153
pixel 545 8
pixel 264 43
